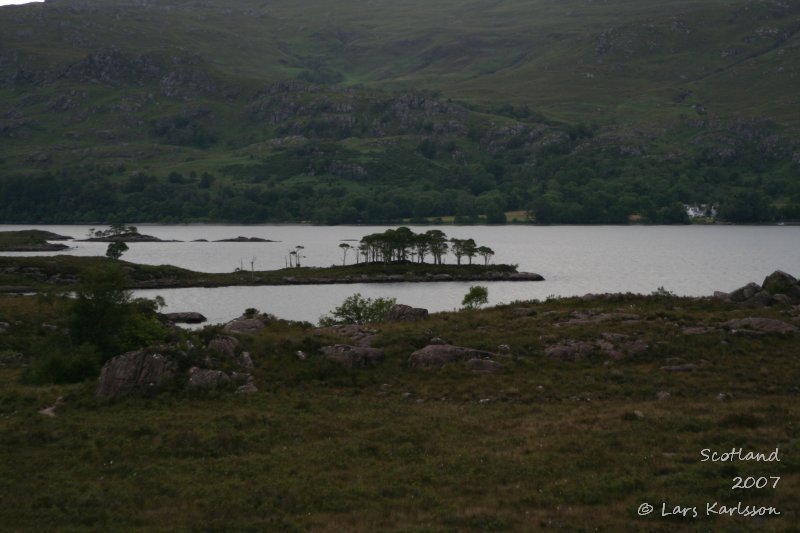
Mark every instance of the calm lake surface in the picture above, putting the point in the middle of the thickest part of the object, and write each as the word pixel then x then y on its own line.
pixel 575 260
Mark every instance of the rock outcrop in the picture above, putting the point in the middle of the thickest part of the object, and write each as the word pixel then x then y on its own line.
pixel 140 372
pixel 437 355
pixel 406 313
pixel 358 335
pixel 760 325
pixel 245 324
pixel 352 356
pixel 207 379
pixel 778 287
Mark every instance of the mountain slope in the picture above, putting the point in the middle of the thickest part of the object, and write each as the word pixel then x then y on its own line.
pixel 280 110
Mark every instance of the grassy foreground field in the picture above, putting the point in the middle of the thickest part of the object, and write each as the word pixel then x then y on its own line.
pixel 544 443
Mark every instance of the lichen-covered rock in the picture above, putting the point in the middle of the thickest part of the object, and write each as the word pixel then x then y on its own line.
pixel 572 351
pixel 406 313
pixel 142 371
pixel 359 335
pixel 224 345
pixel 352 356
pixel 207 379
pixel 437 355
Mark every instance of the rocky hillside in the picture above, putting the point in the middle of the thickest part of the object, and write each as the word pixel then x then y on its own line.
pixel 244 111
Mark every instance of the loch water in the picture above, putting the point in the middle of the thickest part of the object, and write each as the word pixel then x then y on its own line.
pixel 574 260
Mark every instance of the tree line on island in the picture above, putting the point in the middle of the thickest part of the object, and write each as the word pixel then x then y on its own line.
pixel 403 245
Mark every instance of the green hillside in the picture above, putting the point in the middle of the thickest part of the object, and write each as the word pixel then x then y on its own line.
pixel 289 111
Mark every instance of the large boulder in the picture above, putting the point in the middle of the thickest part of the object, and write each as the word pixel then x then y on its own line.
pixel 780 282
pixel 224 345
pixel 745 293
pixel 244 324
pixel 185 318
pixel 437 355
pixel 228 347
pixel 352 356
pixel 406 313
pixel 203 378
pixel 141 372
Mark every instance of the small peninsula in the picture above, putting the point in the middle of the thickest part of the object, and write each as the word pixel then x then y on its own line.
pixel 31 241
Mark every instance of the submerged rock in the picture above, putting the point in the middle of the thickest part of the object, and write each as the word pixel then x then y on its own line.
pixel 185 318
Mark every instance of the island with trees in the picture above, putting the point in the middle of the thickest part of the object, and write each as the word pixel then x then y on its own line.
pixel 393 256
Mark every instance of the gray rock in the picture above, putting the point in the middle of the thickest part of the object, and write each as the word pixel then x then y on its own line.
pixel 436 340
pixel 185 318
pixel 663 395
pixel 745 293
pixel 359 335
pixel 142 371
pixel 51 410
pixel 724 296
pixel 437 355
pixel 406 313
pixel 245 361
pixel 779 282
pixel 352 356
pixel 760 325
pixel 244 325
pixel 635 347
pixel 573 351
pixel 504 349
pixel 697 330
pixel 486 366
pixel 224 345
pixel 760 299
pixel 241 378
pixel 4 327
pixel 207 379
pixel 248 388
pixel 688 367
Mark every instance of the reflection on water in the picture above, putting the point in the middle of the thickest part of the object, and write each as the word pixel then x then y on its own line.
pixel 575 260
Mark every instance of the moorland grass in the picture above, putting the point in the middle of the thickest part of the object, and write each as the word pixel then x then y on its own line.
pixel 544 443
